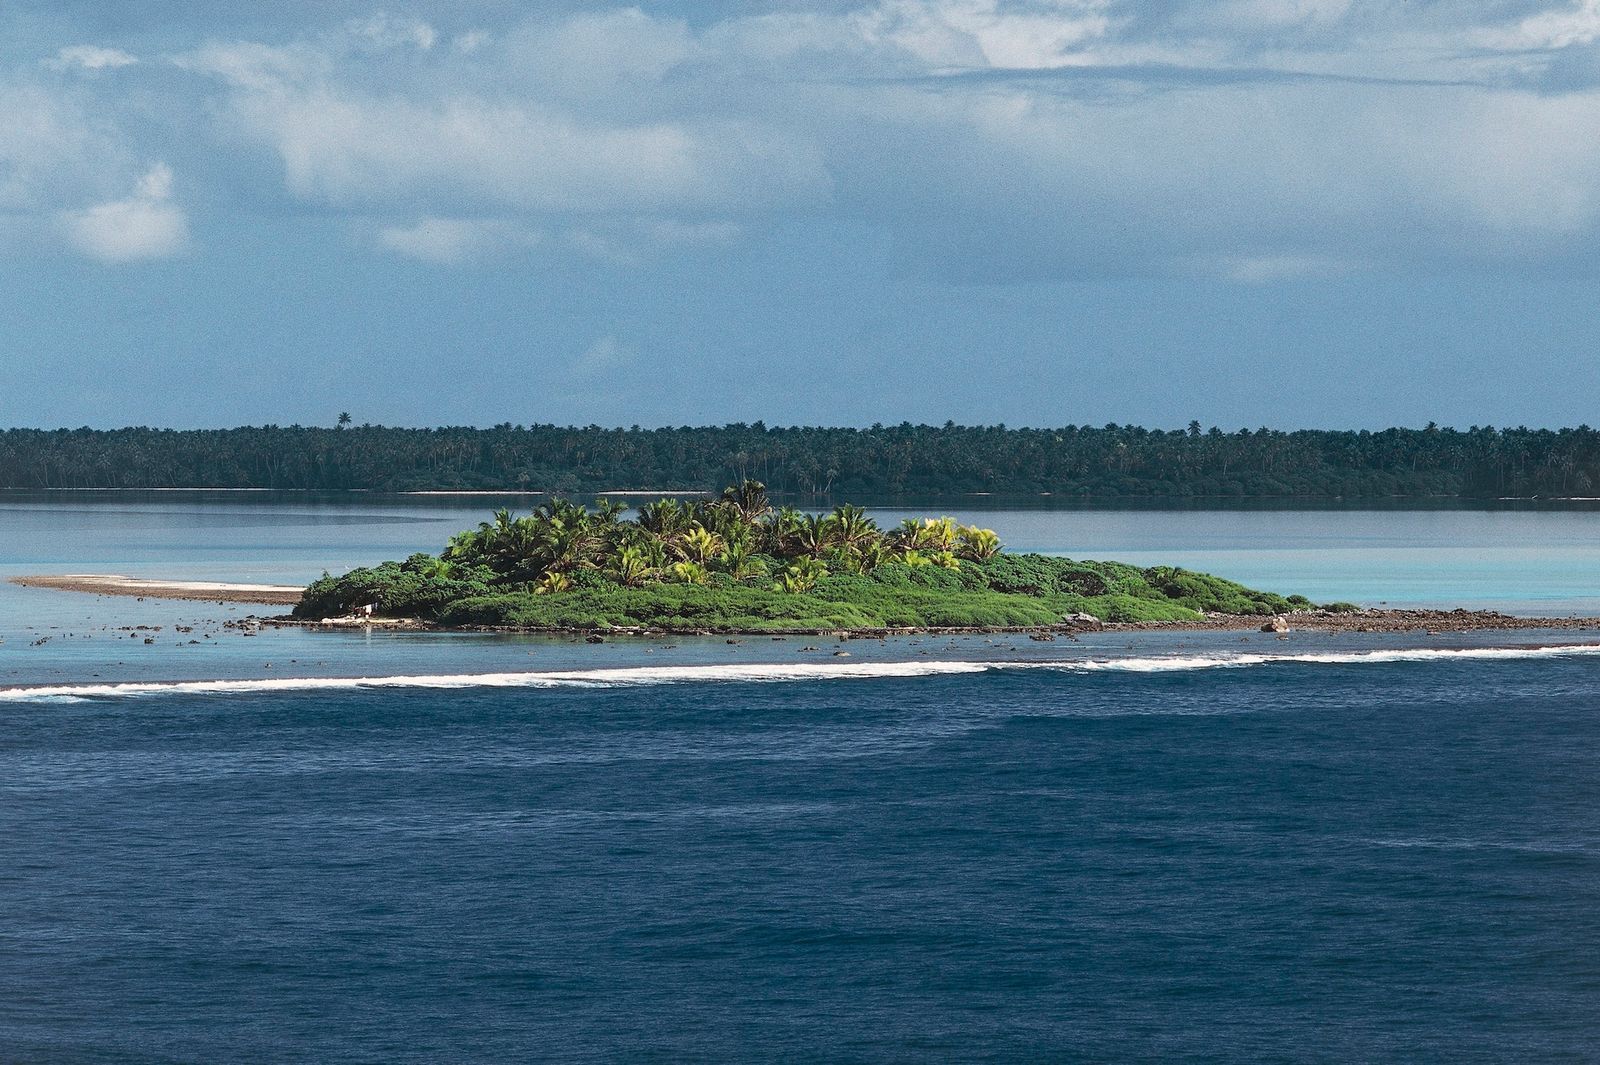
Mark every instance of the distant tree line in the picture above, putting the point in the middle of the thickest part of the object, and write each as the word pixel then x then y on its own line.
pixel 1112 461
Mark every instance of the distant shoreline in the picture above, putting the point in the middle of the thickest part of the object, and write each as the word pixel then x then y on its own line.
pixel 1109 462
pixel 1067 500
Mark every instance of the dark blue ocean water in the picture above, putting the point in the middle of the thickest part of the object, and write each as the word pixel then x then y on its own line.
pixel 1383 861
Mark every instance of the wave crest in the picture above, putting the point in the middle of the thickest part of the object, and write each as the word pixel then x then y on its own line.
pixel 636 676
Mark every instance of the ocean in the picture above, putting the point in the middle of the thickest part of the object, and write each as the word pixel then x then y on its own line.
pixel 294 846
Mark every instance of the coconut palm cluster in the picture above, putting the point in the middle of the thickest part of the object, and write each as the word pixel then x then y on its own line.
pixel 739 534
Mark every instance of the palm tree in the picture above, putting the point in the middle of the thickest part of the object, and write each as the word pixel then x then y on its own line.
pixel 688 572
pixel 940 533
pixel 511 546
pixel 802 575
pixel 778 530
pixel 908 535
pixel 671 540
pixel 558 510
pixel 552 583
pixel 814 535
pixel 874 554
pixel 700 545
pixel 720 516
pixel 977 544
pixel 569 537
pixel 665 518
pixel 632 568
pixel 852 528
pixel 742 536
pixel 741 564
pixel 468 546
pixel 929 534
pixel 432 568
pixel 749 497
pixel 845 560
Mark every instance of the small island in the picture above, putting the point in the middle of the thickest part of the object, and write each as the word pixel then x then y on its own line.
pixel 737 564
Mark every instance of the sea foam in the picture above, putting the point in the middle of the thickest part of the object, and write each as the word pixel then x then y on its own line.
pixel 638 676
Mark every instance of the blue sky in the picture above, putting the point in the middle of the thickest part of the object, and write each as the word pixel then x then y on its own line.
pixel 1246 212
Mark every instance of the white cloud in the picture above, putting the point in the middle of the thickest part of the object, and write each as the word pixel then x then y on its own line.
pixel 59 150
pixel 386 31
pixel 600 52
pixel 1275 14
pixel 342 147
pixel 620 241
pixel 49 146
pixel 578 127
pixel 988 33
pixel 251 67
pixel 1265 138
pixel 451 241
pixel 437 240
pixel 92 57
pixel 1578 24
pixel 143 226
pixel 517 124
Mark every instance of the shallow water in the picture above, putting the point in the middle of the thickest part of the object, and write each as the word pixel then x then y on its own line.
pixel 403 847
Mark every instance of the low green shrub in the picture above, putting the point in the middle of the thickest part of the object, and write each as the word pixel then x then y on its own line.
pixel 421 586
pixel 751 609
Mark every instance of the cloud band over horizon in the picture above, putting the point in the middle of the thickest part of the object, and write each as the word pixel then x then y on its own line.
pixel 958 148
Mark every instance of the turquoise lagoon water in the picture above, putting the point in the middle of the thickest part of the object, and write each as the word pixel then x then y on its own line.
pixel 1517 560
pixel 1532 561
pixel 1520 561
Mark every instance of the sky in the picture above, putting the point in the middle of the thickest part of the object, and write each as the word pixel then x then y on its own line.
pixel 1293 213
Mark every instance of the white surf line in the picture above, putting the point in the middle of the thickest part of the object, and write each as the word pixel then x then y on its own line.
pixel 1175 663
pixel 618 677
pixel 635 676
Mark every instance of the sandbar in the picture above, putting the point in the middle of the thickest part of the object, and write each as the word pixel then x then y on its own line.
pixel 200 591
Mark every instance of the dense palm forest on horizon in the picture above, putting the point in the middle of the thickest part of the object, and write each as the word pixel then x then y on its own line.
pixel 1113 461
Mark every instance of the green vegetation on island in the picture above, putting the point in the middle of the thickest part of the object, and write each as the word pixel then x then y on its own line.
pixel 737 564
pixel 1110 462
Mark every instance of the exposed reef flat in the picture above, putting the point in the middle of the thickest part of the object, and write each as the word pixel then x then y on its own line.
pixel 1375 620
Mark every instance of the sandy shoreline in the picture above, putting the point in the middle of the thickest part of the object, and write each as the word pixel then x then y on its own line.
pixel 197 591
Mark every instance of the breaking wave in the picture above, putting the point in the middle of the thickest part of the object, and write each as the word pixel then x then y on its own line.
pixel 638 676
